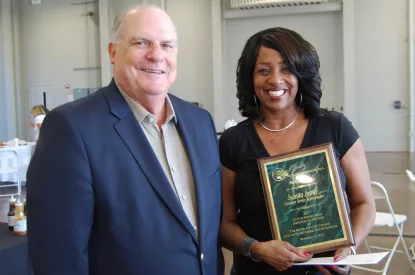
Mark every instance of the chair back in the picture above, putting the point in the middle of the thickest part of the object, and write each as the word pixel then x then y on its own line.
pixel 410 175
pixel 391 220
pixel 379 192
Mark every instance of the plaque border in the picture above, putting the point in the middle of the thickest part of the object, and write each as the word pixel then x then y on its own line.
pixel 342 206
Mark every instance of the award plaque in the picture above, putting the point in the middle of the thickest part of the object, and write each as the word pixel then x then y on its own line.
pixel 305 201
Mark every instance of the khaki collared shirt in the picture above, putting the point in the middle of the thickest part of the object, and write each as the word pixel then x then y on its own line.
pixel 171 153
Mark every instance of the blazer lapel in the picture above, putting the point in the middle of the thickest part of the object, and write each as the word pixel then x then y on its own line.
pixel 134 138
pixel 187 126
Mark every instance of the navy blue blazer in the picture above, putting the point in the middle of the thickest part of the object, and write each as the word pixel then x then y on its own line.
pixel 99 202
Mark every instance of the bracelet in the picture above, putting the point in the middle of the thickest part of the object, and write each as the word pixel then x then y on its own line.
pixel 246 248
pixel 353 249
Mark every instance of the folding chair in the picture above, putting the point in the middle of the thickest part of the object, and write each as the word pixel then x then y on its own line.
pixel 9 164
pixel 411 177
pixel 390 220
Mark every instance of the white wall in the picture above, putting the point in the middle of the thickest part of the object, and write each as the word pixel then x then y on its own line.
pixel 57 45
pixel 50 41
pixel 381 73
pixel 7 63
pixel 322 30
pixel 193 21
pixel 118 6
pixel 3 125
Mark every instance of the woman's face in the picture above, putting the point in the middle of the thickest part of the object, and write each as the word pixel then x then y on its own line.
pixel 274 84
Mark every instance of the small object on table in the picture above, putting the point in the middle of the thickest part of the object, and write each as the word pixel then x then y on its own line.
pixel 12 212
pixel 20 221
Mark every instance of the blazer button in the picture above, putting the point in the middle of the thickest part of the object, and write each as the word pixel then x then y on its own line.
pixel 307 272
pixel 201 256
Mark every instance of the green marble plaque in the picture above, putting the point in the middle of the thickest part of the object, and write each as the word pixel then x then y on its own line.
pixel 305 201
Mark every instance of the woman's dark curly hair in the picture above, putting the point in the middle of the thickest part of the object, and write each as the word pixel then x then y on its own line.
pixel 300 57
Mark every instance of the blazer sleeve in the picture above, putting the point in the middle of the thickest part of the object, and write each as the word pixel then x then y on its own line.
pixel 220 259
pixel 60 199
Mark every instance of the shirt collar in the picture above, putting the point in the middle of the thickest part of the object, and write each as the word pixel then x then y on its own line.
pixel 141 113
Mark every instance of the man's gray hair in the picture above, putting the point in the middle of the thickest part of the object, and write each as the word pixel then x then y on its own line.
pixel 118 25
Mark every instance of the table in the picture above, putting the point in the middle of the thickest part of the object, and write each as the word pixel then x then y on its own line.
pixel 24 154
pixel 14 254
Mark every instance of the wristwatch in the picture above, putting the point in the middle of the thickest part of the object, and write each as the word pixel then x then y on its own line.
pixel 246 247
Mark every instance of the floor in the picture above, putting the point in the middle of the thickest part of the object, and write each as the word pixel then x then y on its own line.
pixel 386 168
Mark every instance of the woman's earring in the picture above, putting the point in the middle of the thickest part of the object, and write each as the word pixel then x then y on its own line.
pixel 301 100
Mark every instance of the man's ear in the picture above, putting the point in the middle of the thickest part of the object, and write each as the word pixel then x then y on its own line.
pixel 111 52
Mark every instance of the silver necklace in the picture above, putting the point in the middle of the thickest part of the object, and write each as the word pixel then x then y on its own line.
pixel 282 129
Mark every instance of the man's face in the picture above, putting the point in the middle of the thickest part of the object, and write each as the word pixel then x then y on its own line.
pixel 145 55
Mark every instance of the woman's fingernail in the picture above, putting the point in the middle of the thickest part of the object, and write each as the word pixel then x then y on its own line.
pixel 307 254
pixel 333 267
pixel 336 259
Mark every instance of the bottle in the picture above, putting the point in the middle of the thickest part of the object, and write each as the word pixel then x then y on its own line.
pixel 24 207
pixel 20 222
pixel 11 213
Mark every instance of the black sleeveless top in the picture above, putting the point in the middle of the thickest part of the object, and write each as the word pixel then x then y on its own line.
pixel 240 147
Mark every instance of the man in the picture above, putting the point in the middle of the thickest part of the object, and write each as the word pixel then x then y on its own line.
pixel 127 180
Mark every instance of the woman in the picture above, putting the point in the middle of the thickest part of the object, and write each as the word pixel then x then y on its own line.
pixel 38 113
pixel 278 87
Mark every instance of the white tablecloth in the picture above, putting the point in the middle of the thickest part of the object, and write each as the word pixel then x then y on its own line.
pixel 24 153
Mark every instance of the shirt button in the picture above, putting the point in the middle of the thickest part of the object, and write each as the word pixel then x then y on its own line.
pixel 184 197
pixel 195 227
pixel 173 168
pixel 151 119
pixel 201 256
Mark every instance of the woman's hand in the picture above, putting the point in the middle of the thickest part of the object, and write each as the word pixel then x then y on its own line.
pixel 281 255
pixel 339 255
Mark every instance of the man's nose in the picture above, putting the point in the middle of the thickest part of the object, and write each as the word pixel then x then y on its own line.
pixel 155 54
